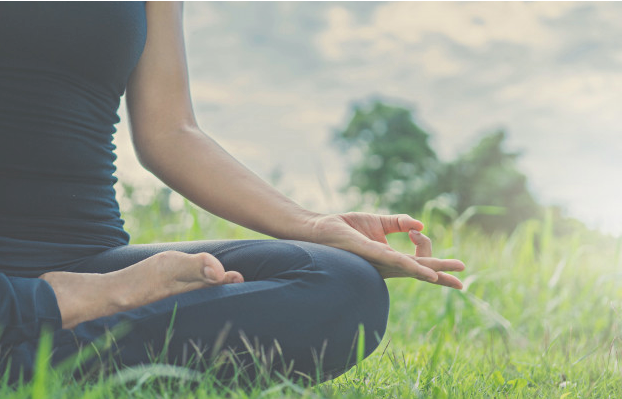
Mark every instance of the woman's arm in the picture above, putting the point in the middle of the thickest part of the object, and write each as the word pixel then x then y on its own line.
pixel 169 143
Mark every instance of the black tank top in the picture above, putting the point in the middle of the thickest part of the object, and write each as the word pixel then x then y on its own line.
pixel 63 68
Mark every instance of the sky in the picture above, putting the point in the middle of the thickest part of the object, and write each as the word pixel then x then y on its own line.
pixel 271 82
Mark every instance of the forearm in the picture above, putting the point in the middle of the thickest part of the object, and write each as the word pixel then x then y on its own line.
pixel 197 167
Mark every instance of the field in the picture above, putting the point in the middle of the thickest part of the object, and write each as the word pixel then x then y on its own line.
pixel 539 317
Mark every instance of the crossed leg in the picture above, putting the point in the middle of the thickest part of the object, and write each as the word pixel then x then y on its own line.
pixel 88 296
pixel 307 297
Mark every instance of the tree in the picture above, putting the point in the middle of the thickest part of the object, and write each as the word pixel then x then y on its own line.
pixel 395 163
pixel 488 175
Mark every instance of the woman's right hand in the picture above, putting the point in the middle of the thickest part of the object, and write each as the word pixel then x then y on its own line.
pixel 364 234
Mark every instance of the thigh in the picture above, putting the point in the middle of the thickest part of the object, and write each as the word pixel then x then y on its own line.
pixel 255 259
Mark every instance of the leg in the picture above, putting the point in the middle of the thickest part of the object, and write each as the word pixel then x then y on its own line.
pixel 26 305
pixel 307 297
pixel 88 296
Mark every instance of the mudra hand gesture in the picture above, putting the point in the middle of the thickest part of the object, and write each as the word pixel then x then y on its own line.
pixel 365 235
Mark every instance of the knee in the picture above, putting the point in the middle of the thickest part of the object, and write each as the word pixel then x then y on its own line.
pixel 365 295
pixel 343 277
pixel 331 292
pixel 353 294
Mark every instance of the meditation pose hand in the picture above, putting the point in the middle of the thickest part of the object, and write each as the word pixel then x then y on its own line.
pixel 365 235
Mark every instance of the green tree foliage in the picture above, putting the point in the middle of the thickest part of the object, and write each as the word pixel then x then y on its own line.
pixel 396 164
pixel 395 160
pixel 488 175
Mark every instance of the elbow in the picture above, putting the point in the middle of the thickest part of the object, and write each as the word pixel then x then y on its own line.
pixel 144 160
pixel 143 146
pixel 148 151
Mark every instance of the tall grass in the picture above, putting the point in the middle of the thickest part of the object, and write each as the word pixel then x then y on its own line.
pixel 539 317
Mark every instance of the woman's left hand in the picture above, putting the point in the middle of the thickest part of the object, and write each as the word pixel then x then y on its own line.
pixel 364 234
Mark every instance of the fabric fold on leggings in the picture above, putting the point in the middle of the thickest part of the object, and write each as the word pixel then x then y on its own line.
pixel 26 306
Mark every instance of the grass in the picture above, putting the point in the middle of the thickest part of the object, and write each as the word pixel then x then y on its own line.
pixel 540 317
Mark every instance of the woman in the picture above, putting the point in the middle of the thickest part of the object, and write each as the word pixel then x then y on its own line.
pixel 65 261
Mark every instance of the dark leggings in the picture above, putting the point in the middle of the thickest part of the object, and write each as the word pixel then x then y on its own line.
pixel 307 297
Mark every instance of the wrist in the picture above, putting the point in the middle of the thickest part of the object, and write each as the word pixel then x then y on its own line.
pixel 302 228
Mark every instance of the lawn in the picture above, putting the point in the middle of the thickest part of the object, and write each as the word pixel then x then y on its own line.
pixel 539 317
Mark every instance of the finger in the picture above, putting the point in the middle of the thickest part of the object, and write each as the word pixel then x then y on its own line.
pixel 423 243
pixel 446 265
pixel 399 223
pixel 448 280
pixel 417 270
pixel 391 263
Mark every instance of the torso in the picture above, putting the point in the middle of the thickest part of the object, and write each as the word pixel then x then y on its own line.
pixel 63 68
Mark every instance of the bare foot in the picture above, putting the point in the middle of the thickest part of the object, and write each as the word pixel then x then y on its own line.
pixel 88 296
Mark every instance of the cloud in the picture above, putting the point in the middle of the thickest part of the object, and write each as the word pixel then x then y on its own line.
pixel 470 24
pixel 575 91
pixel 201 15
pixel 438 62
pixel 213 92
